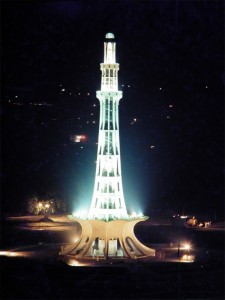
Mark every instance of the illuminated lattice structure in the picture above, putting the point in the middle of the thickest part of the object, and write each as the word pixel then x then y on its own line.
pixel 108 198
pixel 115 238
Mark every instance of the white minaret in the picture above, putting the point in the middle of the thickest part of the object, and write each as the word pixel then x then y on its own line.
pixel 108 199
pixel 116 238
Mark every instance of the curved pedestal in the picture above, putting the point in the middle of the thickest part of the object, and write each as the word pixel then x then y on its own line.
pixel 113 239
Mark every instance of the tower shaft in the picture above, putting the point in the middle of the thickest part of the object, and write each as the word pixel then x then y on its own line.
pixel 108 199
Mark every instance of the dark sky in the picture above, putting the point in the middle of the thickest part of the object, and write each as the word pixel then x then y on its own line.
pixel 170 53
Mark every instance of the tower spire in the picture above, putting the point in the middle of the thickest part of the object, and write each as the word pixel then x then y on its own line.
pixel 108 199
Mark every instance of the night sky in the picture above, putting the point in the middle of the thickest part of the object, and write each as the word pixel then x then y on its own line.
pixel 171 56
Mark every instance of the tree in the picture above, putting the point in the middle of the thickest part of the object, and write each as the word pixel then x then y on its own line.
pixel 46 204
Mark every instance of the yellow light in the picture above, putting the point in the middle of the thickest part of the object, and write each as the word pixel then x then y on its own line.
pixel 187 246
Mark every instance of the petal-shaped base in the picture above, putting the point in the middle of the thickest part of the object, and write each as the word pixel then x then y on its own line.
pixel 113 239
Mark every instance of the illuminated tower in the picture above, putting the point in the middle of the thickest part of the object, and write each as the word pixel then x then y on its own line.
pixel 114 238
pixel 108 198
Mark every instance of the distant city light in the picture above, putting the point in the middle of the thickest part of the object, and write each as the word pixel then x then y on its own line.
pixel 134 120
pixel 78 138
pixel 152 146
pixel 171 105
pixel 62 90
pixel 183 217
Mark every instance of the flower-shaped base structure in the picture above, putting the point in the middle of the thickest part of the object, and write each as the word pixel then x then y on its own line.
pixel 113 239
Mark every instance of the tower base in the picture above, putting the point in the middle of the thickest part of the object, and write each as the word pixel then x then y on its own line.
pixel 113 239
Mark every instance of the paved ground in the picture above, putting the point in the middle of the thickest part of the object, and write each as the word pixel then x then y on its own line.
pixel 32 269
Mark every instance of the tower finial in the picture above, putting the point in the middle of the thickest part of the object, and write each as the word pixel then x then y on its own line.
pixel 109 35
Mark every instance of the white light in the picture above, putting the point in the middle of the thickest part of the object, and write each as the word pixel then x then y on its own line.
pixel 160 88
pixel 183 217
pixel 134 120
pixel 62 90
pixel 133 215
pixel 80 214
pixel 152 147
pixel 140 215
pixel 187 246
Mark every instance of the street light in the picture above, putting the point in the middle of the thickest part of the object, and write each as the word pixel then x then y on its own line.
pixel 187 246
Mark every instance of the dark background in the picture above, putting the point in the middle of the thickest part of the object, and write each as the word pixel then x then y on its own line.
pixel 170 53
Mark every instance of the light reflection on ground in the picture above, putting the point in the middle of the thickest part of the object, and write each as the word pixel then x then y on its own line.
pixel 18 253
pixel 57 223
pixel 71 231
